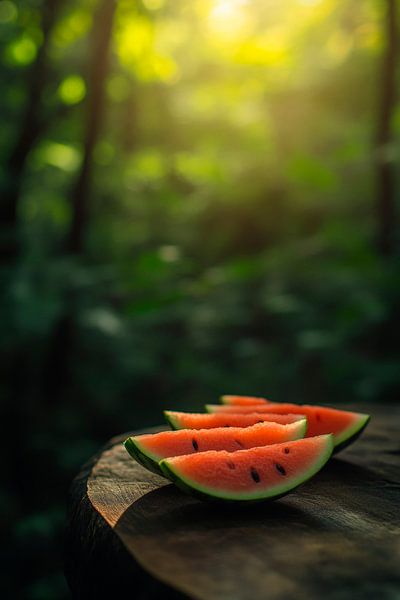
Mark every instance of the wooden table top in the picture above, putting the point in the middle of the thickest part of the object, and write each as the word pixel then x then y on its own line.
pixel 336 537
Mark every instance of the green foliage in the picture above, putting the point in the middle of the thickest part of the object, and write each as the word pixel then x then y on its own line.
pixel 230 240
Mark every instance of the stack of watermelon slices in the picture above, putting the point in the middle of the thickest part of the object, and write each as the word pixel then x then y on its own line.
pixel 246 448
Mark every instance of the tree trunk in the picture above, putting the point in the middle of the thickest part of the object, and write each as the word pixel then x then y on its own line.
pixel 57 375
pixel 98 71
pixel 31 127
pixel 385 173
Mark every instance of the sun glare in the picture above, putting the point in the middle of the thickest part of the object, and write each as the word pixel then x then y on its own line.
pixel 309 2
pixel 226 16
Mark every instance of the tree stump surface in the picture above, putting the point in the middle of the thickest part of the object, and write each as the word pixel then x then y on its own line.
pixel 336 537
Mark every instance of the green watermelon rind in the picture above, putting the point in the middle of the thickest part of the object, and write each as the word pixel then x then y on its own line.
pixel 349 435
pixel 134 448
pixel 193 488
pixel 171 421
pixel 301 423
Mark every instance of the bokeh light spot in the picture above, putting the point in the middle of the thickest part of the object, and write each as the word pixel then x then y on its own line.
pixel 64 157
pixel 72 89
pixel 22 51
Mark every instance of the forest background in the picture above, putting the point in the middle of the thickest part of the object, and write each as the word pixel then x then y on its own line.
pixel 196 198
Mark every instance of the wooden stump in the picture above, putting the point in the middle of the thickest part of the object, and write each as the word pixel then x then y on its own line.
pixel 336 537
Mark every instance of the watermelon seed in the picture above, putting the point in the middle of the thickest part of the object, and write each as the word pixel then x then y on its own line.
pixel 195 444
pixel 286 450
pixel 280 469
pixel 231 465
pixel 255 475
pixel 239 443
pixel 318 417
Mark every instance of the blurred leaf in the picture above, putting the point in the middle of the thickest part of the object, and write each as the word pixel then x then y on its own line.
pixel 72 89
pixel 21 52
pixel 58 155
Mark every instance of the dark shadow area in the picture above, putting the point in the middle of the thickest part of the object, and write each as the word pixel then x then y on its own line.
pixel 196 198
pixel 345 506
pixel 96 563
pixel 168 509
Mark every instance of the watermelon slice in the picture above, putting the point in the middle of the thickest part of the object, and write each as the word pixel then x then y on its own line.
pixel 149 449
pixel 256 474
pixel 182 420
pixel 346 426
pixel 243 400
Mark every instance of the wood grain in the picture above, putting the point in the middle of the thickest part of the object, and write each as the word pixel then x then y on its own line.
pixel 336 537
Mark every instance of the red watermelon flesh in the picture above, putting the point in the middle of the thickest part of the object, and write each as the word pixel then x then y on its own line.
pixel 149 449
pixel 243 400
pixel 261 473
pixel 182 420
pixel 346 426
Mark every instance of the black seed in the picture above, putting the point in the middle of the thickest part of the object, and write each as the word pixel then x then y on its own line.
pixel 195 444
pixel 286 450
pixel 239 443
pixel 318 416
pixel 226 425
pixel 280 469
pixel 255 475
pixel 231 465
pixel 260 421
